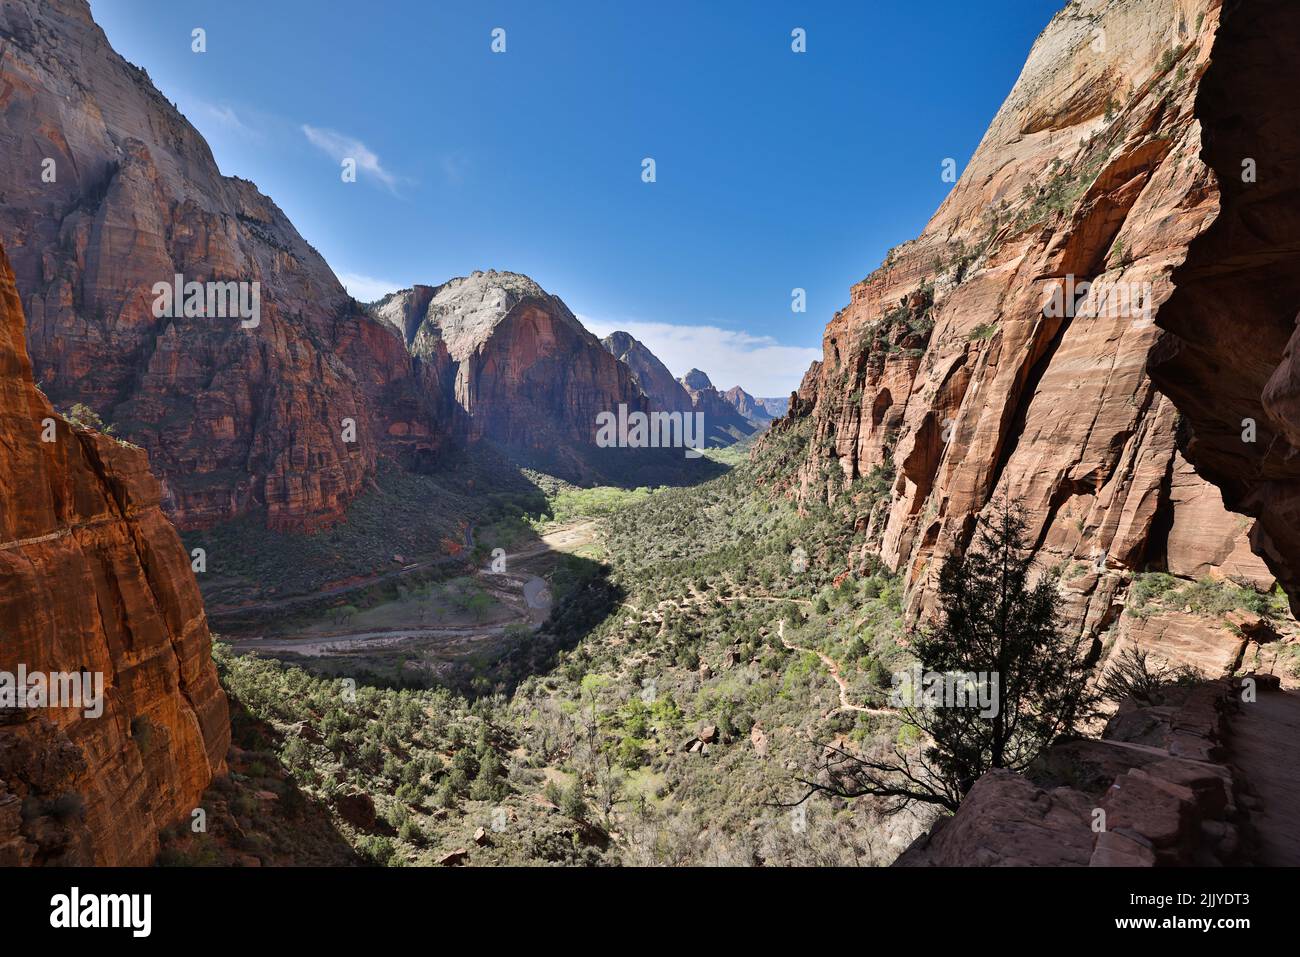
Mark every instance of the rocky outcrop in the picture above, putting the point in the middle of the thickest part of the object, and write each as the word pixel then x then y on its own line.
pixel 651 375
pixel 526 373
pixel 751 408
pixel 108 190
pixel 1156 790
pixel 1230 363
pixel 723 424
pixel 1003 353
pixel 94 581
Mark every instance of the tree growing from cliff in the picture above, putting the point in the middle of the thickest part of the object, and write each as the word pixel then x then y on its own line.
pixel 998 680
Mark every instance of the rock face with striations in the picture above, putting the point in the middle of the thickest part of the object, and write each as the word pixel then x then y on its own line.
pixel 526 373
pixel 108 190
pixel 94 580
pixel 651 374
pixel 960 370
pixel 1232 362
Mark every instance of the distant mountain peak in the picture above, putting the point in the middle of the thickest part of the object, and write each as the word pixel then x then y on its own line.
pixel 463 312
pixel 696 381
pixel 650 373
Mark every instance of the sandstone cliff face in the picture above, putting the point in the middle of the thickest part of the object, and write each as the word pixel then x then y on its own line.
pixel 233 418
pixel 952 374
pixel 526 373
pixel 94 579
pixel 1230 363
pixel 651 374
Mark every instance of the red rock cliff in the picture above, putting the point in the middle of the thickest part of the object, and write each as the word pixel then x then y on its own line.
pixel 1231 363
pixel 952 374
pixel 93 578
pixel 233 418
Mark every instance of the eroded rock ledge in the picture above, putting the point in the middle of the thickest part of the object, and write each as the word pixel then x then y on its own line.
pixel 1157 789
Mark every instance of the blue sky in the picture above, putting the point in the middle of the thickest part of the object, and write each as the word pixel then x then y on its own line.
pixel 774 170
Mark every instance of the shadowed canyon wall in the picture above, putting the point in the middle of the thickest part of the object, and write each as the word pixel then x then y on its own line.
pixel 108 190
pixel 1230 363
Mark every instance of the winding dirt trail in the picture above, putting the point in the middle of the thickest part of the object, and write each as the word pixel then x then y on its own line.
pixel 834 669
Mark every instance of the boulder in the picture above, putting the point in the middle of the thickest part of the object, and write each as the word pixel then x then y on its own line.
pixel 357 808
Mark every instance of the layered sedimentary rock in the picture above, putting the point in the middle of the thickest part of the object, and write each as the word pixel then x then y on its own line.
pixel 651 374
pixel 526 372
pixel 976 364
pixel 93 579
pixel 1230 364
pixel 108 190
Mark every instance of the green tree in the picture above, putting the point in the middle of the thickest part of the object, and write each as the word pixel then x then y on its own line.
pixel 998 627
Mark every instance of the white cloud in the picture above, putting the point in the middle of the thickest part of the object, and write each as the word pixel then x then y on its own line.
pixel 368 288
pixel 340 147
pixel 227 117
pixel 758 364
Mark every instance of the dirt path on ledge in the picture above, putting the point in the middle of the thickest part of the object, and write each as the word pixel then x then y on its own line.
pixel 1265 746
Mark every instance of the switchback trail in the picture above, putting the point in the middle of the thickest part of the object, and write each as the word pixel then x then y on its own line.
pixel 834 669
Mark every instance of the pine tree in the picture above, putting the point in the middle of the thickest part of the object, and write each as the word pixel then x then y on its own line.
pixel 1026 683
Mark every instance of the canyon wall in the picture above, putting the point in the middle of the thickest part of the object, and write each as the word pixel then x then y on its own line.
pixel 722 422
pixel 94 580
pixel 109 190
pixel 964 370
pixel 651 374
pixel 1230 362
pixel 525 372
pixel 751 408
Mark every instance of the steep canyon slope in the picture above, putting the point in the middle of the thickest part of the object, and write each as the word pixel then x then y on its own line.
pixel 109 190
pixel 94 581
pixel 964 370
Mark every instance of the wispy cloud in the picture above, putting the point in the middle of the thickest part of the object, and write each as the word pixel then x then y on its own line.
pixel 758 364
pixel 227 117
pixel 368 288
pixel 339 147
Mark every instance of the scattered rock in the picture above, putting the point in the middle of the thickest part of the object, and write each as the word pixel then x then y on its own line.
pixel 454 858
pixel 357 808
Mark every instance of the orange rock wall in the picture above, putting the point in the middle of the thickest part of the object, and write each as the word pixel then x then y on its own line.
pixel 93 578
